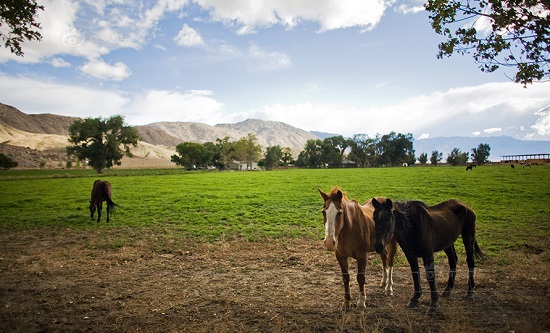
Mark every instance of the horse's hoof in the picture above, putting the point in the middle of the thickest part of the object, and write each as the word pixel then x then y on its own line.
pixel 445 293
pixel 469 297
pixel 388 292
pixel 412 304
pixel 431 310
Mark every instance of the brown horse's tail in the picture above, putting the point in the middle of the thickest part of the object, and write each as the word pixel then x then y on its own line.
pixel 107 197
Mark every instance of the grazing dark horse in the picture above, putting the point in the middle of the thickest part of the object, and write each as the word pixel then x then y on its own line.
pixel 349 232
pixel 422 230
pixel 101 191
pixel 469 167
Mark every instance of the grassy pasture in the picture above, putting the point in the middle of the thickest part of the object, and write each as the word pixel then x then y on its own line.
pixel 512 204
pixel 241 252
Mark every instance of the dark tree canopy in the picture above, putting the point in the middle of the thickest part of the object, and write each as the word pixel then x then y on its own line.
pixel 480 155
pixel 518 34
pixel 17 23
pixel 98 141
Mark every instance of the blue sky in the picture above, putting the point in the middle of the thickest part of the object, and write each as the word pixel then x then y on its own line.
pixel 338 66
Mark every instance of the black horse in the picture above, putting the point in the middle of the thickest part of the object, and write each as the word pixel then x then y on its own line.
pixel 422 230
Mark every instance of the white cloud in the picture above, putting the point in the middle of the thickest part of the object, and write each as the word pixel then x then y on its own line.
pixel 103 71
pixel 187 36
pixel 542 125
pixel 449 113
pixel 423 136
pixel 59 62
pixel 329 14
pixel 59 36
pixel 52 97
pixel 164 105
pixel 492 130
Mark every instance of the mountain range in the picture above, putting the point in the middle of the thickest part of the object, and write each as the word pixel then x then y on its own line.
pixel 32 139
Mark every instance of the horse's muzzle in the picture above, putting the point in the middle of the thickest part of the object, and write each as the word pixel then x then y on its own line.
pixel 330 244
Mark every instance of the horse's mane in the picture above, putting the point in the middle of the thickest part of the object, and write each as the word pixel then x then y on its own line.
pixel 406 213
pixel 335 190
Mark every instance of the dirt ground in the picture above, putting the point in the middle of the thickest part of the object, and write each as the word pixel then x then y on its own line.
pixel 58 280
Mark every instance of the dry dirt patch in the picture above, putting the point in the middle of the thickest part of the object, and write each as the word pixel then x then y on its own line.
pixel 65 280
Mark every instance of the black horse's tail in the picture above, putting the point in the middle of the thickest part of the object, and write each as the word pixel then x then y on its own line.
pixel 478 253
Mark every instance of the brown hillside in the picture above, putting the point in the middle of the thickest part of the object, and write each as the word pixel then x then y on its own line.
pixel 35 123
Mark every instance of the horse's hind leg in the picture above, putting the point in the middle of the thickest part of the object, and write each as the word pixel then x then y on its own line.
pixel 99 212
pixel 453 258
pixel 470 250
pixel 108 211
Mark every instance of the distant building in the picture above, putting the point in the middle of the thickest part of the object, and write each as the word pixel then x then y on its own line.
pixel 526 159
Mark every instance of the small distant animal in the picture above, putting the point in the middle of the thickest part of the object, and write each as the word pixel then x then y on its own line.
pixel 101 191
pixel 512 166
pixel 469 167
pixel 527 165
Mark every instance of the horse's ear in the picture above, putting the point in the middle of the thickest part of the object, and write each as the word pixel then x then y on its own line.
pixel 323 195
pixel 389 204
pixel 375 203
pixel 339 195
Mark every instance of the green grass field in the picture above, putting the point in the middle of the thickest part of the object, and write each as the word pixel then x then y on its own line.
pixel 512 205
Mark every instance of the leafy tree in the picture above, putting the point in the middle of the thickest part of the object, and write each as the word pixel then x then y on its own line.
pixel 423 159
pixel 192 155
pixel 436 157
pixel 509 33
pixel 312 155
pixel 456 157
pixel 273 156
pixel 225 149
pixel 480 155
pixel 17 23
pixel 6 162
pixel 287 158
pixel 395 148
pixel 362 150
pixel 98 141
pixel 253 150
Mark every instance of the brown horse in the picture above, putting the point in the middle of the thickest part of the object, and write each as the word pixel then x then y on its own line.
pixel 349 232
pixel 101 191
pixel 422 230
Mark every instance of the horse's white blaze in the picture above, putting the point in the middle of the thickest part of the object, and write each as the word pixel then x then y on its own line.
pixel 330 227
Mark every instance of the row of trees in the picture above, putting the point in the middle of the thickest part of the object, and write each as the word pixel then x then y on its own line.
pixel 480 155
pixel 219 154
pixel 390 149
pixel 103 142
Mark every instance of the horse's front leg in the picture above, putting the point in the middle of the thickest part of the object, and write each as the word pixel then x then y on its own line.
pixel 413 262
pixel 361 268
pixel 388 258
pixel 343 262
pixel 430 276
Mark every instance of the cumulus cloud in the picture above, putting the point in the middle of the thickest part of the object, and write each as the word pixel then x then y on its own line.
pixel 187 36
pixel 104 71
pixel 168 105
pixel 52 97
pixel 508 108
pixel 492 130
pixel 59 36
pixel 330 14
